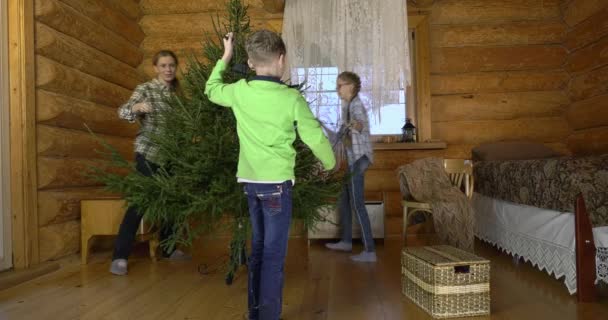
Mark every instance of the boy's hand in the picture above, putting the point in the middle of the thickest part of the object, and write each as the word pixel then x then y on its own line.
pixel 228 47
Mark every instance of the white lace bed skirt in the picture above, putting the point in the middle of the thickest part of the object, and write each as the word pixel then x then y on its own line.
pixel 543 237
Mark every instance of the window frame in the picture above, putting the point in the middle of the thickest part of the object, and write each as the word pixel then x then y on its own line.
pixel 6 260
pixel 421 77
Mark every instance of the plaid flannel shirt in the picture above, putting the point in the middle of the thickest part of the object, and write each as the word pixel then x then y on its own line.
pixel 154 93
pixel 360 144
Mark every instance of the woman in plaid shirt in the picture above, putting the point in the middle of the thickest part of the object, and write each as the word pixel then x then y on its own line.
pixel 359 153
pixel 143 106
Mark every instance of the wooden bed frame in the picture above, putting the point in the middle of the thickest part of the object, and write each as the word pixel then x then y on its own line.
pixel 585 254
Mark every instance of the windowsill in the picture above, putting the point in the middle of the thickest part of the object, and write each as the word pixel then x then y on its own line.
pixel 409 145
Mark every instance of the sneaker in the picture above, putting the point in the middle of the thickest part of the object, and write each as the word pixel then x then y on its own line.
pixel 364 257
pixel 119 267
pixel 246 316
pixel 340 246
pixel 179 255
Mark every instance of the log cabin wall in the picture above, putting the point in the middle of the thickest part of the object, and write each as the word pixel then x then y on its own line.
pixel 587 44
pixel 87 54
pixel 500 70
pixel 181 26
pixel 497 73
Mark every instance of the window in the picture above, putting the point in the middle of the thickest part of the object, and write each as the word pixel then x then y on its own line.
pixel 320 92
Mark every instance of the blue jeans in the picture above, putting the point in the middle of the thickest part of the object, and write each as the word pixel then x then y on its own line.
pixel 352 198
pixel 270 212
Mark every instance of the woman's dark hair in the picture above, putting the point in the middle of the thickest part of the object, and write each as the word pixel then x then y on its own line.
pixel 167 53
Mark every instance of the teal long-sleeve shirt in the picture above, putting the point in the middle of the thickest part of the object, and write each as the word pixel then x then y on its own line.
pixel 265 113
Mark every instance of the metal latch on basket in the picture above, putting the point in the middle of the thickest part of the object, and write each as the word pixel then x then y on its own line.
pixel 462 269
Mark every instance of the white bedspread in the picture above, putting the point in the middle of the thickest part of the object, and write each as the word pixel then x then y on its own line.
pixel 543 237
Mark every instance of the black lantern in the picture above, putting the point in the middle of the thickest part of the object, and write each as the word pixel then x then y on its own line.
pixel 408 132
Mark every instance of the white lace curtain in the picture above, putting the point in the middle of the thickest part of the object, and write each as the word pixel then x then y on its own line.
pixel 368 37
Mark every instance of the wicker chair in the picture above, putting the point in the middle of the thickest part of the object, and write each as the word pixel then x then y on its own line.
pixel 460 172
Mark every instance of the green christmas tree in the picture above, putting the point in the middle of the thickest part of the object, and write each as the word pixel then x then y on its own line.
pixel 196 188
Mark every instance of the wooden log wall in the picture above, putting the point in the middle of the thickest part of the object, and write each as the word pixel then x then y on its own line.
pixel 182 25
pixel 87 54
pixel 497 73
pixel 587 44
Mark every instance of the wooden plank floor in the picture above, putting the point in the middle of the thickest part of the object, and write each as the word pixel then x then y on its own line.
pixel 330 286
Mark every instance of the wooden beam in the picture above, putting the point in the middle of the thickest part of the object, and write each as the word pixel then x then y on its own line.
pixel 589 57
pixel 589 141
pixel 23 133
pixel 66 112
pixel 409 146
pixel 158 7
pixel 587 31
pixel 54 173
pixel 500 81
pixel 392 159
pixel 590 84
pixel 181 45
pixel 550 129
pixel 422 110
pixel 55 77
pixel 59 240
pixel 6 261
pixel 130 8
pixel 274 6
pixel 590 113
pixel 195 24
pixel 381 180
pixel 478 59
pixel 59 206
pixel 577 11
pixel 499 106
pixel 73 53
pixel 67 20
pixel 510 34
pixel 66 143
pixel 110 18
pixel 494 11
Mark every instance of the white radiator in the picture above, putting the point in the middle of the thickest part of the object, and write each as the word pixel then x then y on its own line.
pixel 327 230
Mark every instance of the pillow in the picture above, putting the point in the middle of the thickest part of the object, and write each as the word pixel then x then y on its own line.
pixel 513 150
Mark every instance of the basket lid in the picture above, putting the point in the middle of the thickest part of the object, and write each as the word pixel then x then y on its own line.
pixel 444 255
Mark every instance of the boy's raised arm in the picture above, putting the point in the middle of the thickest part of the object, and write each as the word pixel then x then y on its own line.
pixel 215 88
pixel 311 133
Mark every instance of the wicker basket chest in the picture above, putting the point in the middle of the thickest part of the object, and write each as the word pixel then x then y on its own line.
pixel 446 282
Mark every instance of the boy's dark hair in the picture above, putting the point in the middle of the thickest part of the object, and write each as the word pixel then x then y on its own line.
pixel 263 46
pixel 353 78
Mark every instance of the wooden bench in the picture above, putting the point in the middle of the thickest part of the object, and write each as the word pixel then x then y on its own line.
pixel 100 217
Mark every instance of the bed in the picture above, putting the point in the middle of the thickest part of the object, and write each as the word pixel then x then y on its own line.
pixel 551 212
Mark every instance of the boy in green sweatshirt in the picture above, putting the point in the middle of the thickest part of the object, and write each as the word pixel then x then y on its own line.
pixel 265 110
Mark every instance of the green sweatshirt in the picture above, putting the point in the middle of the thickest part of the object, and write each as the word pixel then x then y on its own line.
pixel 265 112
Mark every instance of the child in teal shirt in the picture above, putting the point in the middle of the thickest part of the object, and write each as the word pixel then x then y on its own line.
pixel 265 110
